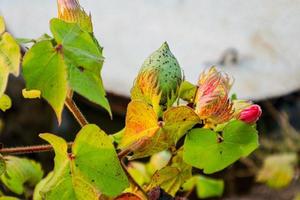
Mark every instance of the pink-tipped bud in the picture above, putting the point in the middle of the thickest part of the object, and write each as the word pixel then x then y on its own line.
pixel 212 103
pixel 250 114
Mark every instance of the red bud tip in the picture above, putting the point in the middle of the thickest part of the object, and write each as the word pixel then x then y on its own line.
pixel 250 114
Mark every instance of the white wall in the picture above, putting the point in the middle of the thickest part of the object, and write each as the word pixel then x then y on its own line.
pixel 265 33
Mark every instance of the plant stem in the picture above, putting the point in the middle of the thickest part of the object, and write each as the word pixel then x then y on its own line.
pixel 76 112
pixel 28 149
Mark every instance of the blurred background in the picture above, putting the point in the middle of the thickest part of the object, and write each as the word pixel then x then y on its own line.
pixel 256 42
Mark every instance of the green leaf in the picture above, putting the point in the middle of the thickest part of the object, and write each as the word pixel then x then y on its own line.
pixel 205 187
pixel 2 165
pixel 2 25
pixel 9 59
pixel 88 84
pixel 92 168
pixel 105 170
pixel 278 170
pixel 78 45
pixel 5 102
pixel 171 177
pixel 203 148
pixel 20 171
pixel 44 69
pixel 187 91
pixel 85 60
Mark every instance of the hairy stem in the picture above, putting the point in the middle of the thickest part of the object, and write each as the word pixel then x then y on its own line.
pixel 76 112
pixel 29 149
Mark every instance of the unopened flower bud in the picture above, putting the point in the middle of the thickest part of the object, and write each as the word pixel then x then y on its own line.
pixel 212 103
pixel 250 114
pixel 159 79
pixel 71 11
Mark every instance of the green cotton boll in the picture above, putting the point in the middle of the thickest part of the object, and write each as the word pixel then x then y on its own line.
pixel 159 79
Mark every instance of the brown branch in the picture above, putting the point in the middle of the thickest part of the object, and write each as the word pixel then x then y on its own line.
pixel 29 149
pixel 76 112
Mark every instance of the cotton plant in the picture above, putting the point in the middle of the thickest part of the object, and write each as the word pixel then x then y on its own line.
pixel 177 124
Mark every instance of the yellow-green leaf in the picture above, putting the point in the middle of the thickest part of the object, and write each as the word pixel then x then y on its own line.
pixel 10 56
pixel 8 198
pixel 44 69
pixel 278 170
pixel 5 102
pixel 20 171
pixel 31 94
pixel 2 165
pixel 2 25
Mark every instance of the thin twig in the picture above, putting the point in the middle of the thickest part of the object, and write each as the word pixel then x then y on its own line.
pixel 76 112
pixel 29 149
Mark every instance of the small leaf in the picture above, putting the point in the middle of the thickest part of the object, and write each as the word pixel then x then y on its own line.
pixel 44 69
pixel 3 78
pixel 5 102
pixel 91 169
pixel 203 148
pixel 205 187
pixel 278 170
pixel 2 165
pixel 20 171
pixel 31 94
pixel 8 198
pixel 2 25
pixel 146 135
pixel 171 177
pixel 187 91
pixel 9 59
